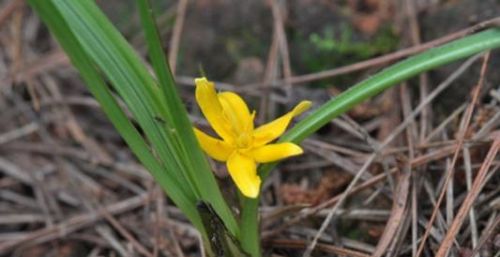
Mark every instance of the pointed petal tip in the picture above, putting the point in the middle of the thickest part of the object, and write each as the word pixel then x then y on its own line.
pixel 204 85
pixel 301 107
pixel 295 149
pixel 252 192
pixel 200 80
pixel 272 130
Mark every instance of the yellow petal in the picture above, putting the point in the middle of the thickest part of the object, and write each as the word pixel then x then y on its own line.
pixel 236 111
pixel 215 148
pixel 212 109
pixel 243 171
pixel 275 152
pixel 272 130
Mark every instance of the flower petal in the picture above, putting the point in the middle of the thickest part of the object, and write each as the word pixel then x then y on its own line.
pixel 215 148
pixel 212 109
pixel 243 171
pixel 272 130
pixel 275 152
pixel 236 111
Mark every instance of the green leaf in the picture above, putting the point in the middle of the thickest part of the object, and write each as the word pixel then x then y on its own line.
pixel 183 198
pixel 169 143
pixel 391 76
pixel 362 91
pixel 199 169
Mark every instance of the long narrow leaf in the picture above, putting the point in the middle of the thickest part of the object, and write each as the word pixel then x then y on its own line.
pixel 177 115
pixel 392 76
pixel 387 78
pixel 170 140
pixel 184 199
pixel 127 75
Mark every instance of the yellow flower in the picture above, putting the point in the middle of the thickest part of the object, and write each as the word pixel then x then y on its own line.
pixel 242 146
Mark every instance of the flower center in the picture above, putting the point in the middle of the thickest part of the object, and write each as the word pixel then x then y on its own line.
pixel 244 140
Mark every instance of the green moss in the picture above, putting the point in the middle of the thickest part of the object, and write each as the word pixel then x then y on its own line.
pixel 335 48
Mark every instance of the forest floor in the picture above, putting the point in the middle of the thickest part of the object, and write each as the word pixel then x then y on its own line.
pixel 406 159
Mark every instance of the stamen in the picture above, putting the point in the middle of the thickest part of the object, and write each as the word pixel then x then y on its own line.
pixel 244 140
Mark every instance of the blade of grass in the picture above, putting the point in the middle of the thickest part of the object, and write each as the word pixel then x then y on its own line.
pixel 389 77
pixel 177 115
pixel 128 75
pixel 184 199
pixel 117 61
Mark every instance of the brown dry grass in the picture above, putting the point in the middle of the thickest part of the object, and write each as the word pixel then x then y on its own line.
pixel 397 176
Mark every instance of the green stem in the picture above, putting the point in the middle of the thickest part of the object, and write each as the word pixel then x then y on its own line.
pixel 250 227
pixel 389 77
